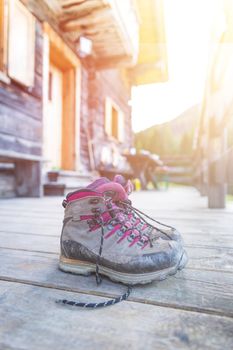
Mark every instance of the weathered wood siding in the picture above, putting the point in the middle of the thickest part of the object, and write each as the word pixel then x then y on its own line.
pixel 96 86
pixel 110 83
pixel 21 110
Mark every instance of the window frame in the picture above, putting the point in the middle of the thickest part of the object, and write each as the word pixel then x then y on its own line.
pixel 110 106
pixel 26 78
pixel 3 40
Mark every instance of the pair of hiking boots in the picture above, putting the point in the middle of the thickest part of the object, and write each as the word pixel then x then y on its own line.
pixel 103 233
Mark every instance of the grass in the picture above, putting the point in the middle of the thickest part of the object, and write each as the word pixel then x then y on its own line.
pixel 229 198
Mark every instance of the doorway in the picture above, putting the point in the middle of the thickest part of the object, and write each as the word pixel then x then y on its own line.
pixel 60 103
pixel 53 118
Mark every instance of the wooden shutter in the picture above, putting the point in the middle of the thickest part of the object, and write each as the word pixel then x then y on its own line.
pixel 3 35
pixel 21 49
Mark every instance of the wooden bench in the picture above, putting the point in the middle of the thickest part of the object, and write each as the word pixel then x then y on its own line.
pixel 27 171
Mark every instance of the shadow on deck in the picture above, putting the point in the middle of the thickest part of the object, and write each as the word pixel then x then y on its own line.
pixel 191 310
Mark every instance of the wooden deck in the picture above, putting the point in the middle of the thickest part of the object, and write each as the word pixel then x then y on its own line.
pixel 191 310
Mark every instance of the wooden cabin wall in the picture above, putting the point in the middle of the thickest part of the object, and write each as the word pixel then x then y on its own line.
pixel 21 110
pixel 109 83
pixel 96 86
pixel 21 117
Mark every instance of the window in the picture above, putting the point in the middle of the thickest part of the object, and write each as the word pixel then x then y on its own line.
pixel 21 49
pixel 17 42
pixel 114 120
pixel 3 35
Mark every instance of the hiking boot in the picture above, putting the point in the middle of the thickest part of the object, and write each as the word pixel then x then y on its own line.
pixel 121 197
pixel 100 236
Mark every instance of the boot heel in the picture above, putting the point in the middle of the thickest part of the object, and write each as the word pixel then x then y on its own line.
pixel 76 266
pixel 183 261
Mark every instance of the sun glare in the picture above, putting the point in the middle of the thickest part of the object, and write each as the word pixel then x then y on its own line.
pixel 188 34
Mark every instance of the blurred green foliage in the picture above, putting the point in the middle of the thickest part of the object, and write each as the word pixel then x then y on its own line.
pixel 171 138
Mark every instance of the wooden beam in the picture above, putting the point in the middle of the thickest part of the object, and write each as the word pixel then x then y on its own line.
pixel 71 3
pixel 8 156
pixel 80 8
pixel 98 16
pixel 111 62
pixel 69 58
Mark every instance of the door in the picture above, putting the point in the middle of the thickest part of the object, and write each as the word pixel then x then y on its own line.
pixel 53 118
pixel 61 101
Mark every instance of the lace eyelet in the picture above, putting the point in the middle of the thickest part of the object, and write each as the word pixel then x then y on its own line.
pixel 94 201
pixel 109 194
pixel 95 210
pixel 120 233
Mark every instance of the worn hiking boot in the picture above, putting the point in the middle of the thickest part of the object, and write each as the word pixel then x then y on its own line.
pixel 100 236
pixel 121 197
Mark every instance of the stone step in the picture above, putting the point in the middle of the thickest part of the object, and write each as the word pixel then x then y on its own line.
pixel 72 180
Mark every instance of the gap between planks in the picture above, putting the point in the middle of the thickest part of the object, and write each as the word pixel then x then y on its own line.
pixel 130 299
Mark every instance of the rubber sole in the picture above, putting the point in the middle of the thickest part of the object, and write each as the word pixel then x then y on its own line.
pixel 86 268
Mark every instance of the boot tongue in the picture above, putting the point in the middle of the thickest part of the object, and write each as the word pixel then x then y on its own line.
pixel 95 184
pixel 118 189
pixel 127 184
pixel 114 189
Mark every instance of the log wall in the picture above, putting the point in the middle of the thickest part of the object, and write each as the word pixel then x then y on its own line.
pixel 21 110
pixel 96 86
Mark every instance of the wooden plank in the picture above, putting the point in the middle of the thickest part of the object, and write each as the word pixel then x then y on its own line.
pixel 202 291
pixel 99 15
pixel 20 125
pixel 219 233
pixel 199 257
pixel 12 146
pixel 53 216
pixel 48 243
pixel 48 203
pixel 78 8
pixel 53 226
pixel 36 319
pixel 9 156
pixel 161 208
pixel 53 205
pixel 23 102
